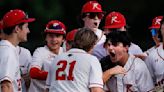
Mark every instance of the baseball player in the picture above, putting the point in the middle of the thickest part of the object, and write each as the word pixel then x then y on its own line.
pixel 137 77
pixel 24 61
pixel 15 29
pixel 116 21
pixel 91 15
pixel 54 35
pixel 77 70
pixel 155 63
pixel 155 33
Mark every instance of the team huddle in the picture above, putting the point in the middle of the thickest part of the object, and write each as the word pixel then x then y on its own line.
pixel 86 59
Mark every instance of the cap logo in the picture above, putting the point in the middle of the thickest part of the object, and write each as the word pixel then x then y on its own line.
pixel 157 21
pixel 114 19
pixel 95 6
pixel 56 24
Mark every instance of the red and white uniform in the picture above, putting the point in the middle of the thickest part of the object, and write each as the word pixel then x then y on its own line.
pixel 9 65
pixel 41 59
pixel 155 63
pixel 24 61
pixel 137 79
pixel 74 71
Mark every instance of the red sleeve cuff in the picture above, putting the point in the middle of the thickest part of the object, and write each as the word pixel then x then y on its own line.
pixel 36 73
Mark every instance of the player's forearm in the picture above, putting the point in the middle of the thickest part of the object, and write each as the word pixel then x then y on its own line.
pixel 96 89
pixel 6 86
pixel 27 80
pixel 36 73
pixel 106 75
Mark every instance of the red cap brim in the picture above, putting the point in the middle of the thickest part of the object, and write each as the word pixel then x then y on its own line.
pixel 28 20
pixel 114 26
pixel 54 32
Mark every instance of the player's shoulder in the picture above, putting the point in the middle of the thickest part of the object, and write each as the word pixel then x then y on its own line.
pixel 41 49
pixel 153 52
pixel 62 55
pixel 6 47
pixel 139 64
pixel 23 49
pixel 92 58
pixel 133 45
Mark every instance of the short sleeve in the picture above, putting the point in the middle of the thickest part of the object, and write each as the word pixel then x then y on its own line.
pixel 95 78
pixel 37 58
pixel 7 72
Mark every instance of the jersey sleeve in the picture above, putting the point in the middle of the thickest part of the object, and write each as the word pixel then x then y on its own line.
pixel 95 79
pixel 144 79
pixel 37 58
pixel 7 72
pixel 135 49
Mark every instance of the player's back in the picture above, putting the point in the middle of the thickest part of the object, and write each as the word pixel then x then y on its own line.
pixel 75 71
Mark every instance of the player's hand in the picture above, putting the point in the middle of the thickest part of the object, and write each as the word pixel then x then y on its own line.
pixel 112 71
pixel 27 80
pixel 117 70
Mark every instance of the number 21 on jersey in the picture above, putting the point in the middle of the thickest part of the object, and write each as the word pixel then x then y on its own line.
pixel 64 64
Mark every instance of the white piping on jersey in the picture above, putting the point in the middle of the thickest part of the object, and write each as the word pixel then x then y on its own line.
pixel 126 72
pixel 160 55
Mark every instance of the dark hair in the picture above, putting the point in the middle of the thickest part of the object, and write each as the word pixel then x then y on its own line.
pixel 84 39
pixel 80 19
pixel 9 30
pixel 119 36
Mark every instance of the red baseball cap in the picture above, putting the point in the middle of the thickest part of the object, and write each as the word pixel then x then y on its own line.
pixel 91 6
pixel 115 20
pixel 156 22
pixel 70 36
pixel 55 26
pixel 14 17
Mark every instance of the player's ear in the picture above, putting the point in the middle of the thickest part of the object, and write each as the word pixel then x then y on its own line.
pixel 127 47
pixel 16 29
